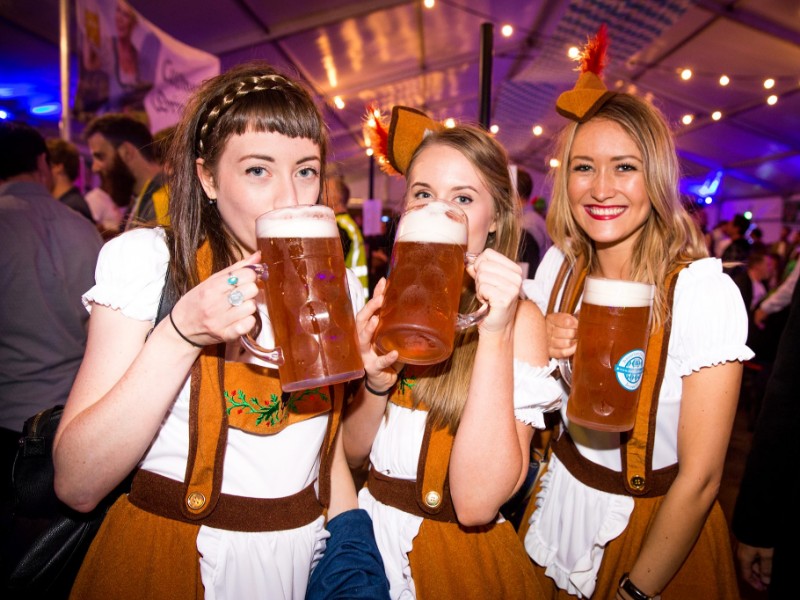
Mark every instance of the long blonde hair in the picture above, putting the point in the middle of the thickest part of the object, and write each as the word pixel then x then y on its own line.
pixel 443 387
pixel 669 237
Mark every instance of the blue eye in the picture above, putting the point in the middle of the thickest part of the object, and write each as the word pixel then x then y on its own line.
pixel 423 195
pixel 462 200
pixel 308 172
pixel 257 171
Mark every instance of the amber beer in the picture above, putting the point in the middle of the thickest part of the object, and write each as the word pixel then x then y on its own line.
pixel 307 297
pixel 613 329
pixel 420 308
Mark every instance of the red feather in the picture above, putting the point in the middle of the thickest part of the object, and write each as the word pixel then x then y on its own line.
pixel 593 57
pixel 378 134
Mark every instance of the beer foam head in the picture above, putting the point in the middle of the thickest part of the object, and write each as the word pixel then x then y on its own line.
pixel 297 222
pixel 435 221
pixel 617 292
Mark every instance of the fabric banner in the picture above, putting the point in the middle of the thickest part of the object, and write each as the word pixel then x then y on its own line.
pixel 127 64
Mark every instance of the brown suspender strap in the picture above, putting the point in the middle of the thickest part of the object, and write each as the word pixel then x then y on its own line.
pixel 433 488
pixel 208 435
pixel 570 278
pixel 557 285
pixel 573 288
pixel 637 452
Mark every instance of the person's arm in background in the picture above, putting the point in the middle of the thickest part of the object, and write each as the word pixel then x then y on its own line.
pixel 777 300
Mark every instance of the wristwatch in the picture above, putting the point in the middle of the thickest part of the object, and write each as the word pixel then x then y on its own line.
pixel 634 592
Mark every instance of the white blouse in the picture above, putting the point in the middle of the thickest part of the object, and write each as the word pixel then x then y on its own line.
pixel 573 523
pixel 130 277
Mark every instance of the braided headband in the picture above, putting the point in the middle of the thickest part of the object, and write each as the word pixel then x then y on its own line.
pixel 396 145
pixel 583 101
pixel 235 91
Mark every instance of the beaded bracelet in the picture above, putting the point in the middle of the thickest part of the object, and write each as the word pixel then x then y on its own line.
pixel 171 320
pixel 376 392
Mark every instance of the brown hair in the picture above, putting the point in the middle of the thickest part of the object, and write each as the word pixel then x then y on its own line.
pixel 248 97
pixel 444 386
pixel 669 236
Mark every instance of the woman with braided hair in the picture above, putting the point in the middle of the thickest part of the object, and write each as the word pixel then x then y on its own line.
pixel 231 476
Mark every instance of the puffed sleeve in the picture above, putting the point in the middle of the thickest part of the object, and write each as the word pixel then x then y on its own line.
pixel 130 274
pixel 709 321
pixel 538 289
pixel 535 392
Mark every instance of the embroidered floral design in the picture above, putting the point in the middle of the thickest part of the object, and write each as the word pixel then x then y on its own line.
pixel 276 409
pixel 406 383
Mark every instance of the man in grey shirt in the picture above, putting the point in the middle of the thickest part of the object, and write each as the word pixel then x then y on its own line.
pixel 47 261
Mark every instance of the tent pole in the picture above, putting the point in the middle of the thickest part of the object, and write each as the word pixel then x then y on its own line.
pixel 63 23
pixel 485 76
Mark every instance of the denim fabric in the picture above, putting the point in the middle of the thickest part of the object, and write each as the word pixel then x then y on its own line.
pixel 352 566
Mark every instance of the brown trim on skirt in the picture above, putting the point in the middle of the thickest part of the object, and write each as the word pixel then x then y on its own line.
pixel 164 497
pixel 605 479
pixel 402 494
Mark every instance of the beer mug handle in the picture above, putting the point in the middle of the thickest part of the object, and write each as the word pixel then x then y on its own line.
pixel 473 318
pixel 273 355
pixel 565 368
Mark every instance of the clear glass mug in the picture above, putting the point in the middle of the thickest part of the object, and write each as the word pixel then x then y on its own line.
pixel 308 299
pixel 419 316
pixel 607 369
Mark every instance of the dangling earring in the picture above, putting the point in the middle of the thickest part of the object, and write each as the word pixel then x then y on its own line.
pixel 212 201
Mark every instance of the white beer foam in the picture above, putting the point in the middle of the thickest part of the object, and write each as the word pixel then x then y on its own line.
pixel 308 222
pixel 616 292
pixel 432 224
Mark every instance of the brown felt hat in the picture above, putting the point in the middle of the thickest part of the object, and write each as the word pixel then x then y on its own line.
pixel 407 129
pixel 583 101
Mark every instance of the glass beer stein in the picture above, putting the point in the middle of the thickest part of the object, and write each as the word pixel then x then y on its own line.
pixel 608 365
pixel 419 316
pixel 307 299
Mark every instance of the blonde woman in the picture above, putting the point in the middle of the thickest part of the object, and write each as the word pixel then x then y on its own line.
pixel 467 419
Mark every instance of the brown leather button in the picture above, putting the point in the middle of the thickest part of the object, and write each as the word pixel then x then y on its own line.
pixel 637 482
pixel 433 499
pixel 195 501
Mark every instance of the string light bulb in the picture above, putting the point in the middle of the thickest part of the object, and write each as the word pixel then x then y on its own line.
pixel 555 163
pixel 573 52
pixel 494 128
pixel 449 122
pixel 338 102
pixel 537 130
pixel 507 30
pixel 687 119
pixel 769 83
pixel 772 100
pixel 686 74
pixel 716 115
pixel 429 3
pixel 724 80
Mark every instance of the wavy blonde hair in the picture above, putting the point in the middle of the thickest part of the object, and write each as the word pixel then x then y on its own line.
pixel 669 236
pixel 443 387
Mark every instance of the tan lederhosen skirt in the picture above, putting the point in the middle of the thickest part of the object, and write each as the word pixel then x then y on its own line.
pixel 708 572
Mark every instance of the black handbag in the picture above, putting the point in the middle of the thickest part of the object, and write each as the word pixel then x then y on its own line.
pixel 51 562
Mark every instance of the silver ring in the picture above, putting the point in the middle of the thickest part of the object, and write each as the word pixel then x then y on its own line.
pixel 235 298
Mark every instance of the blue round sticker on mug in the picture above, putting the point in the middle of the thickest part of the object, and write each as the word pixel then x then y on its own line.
pixel 629 370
